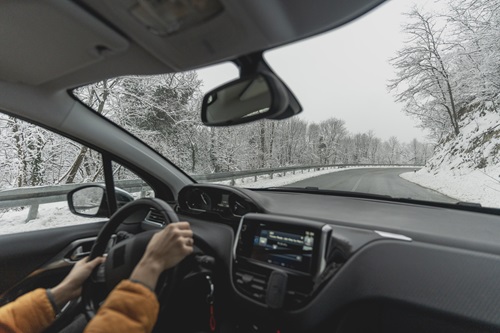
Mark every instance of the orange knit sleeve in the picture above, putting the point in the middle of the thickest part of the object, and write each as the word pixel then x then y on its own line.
pixel 30 313
pixel 130 307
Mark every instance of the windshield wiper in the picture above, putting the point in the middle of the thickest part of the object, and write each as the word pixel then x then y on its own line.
pixel 316 190
pixel 461 205
pixel 468 204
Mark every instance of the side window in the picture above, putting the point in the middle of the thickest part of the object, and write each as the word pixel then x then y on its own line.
pixel 127 183
pixel 38 168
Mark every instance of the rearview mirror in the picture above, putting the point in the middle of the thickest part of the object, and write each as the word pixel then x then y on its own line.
pixel 247 99
pixel 91 200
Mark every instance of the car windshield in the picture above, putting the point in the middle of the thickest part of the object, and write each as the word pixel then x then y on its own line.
pixel 401 102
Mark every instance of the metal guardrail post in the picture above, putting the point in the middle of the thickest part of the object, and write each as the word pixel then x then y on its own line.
pixel 32 213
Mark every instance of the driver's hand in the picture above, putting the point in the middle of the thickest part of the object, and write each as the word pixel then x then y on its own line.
pixel 169 246
pixel 165 250
pixel 71 287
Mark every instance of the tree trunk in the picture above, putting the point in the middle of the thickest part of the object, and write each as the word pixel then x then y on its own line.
pixel 76 165
pixel 21 177
pixel 262 141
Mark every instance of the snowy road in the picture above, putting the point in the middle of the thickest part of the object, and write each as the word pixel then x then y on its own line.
pixel 374 180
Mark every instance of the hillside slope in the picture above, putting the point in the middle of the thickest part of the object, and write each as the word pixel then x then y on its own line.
pixel 467 167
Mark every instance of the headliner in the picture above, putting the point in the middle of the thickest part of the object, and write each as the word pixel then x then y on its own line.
pixel 59 45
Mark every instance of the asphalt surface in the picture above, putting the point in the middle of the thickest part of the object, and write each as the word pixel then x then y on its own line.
pixel 376 181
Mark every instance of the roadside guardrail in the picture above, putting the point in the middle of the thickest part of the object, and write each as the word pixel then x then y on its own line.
pixel 233 175
pixel 37 195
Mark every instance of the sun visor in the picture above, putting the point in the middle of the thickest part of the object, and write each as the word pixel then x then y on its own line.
pixel 44 40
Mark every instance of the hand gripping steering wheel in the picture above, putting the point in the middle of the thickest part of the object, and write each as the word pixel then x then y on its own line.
pixel 124 256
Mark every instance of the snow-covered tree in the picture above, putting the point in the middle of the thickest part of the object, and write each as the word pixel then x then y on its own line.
pixel 424 80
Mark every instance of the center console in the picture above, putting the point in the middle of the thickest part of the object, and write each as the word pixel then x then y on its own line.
pixel 277 259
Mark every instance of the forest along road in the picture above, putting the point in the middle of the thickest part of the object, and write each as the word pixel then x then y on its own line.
pixel 376 181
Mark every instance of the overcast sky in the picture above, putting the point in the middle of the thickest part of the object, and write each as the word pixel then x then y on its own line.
pixel 344 73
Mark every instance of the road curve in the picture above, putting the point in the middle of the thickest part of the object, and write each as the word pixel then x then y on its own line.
pixel 374 180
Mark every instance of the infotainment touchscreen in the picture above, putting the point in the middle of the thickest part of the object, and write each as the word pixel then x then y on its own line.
pixel 292 250
pixel 293 245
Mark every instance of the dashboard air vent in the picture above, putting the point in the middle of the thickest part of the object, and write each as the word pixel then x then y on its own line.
pixel 155 217
pixel 252 284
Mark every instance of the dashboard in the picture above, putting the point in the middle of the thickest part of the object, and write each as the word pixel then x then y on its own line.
pixel 316 258
pixel 216 202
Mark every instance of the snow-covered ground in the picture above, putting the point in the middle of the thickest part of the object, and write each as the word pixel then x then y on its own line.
pixel 467 167
pixel 479 186
pixel 278 179
pixel 50 215
pixel 58 215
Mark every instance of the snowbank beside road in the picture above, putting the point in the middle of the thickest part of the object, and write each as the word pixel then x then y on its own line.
pixel 280 180
pixel 466 167
pixel 479 186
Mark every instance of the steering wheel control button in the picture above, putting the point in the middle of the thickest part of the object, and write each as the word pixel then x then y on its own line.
pixel 276 289
pixel 99 275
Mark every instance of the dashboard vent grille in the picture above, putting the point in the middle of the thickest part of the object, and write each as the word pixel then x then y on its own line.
pixel 251 283
pixel 155 217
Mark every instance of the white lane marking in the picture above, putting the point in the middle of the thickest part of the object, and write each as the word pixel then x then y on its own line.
pixel 357 183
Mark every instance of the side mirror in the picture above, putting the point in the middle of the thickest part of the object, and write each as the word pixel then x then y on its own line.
pixel 91 200
pixel 244 100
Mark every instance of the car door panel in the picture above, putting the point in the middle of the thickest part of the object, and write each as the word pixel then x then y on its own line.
pixel 24 253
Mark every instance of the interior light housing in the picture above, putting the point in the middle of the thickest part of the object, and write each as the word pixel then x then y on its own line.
pixel 167 17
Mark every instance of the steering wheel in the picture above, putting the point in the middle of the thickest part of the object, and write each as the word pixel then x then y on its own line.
pixel 123 257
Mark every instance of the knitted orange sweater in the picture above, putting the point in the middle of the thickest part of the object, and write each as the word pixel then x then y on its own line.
pixel 130 307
